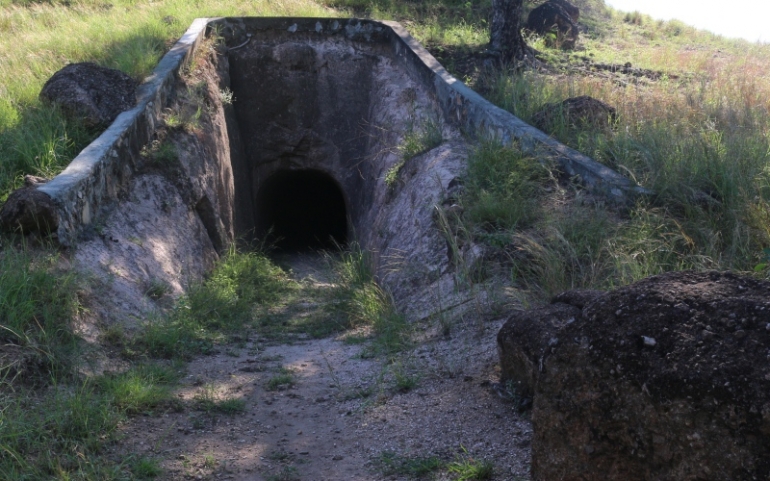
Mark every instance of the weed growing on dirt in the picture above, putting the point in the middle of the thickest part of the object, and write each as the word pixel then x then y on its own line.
pixel 224 303
pixel 469 469
pixel 37 305
pixel 145 468
pixel 393 464
pixel 140 389
pixel 364 303
pixel 284 379
pixel 208 401
pixel 287 473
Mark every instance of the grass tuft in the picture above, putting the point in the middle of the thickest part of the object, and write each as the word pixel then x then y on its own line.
pixel 224 303
pixel 393 464
pixel 37 305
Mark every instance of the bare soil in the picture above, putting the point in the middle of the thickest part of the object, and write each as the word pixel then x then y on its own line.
pixel 342 412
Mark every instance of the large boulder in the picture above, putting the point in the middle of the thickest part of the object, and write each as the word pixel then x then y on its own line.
pixel 29 210
pixel 90 93
pixel 667 378
pixel 582 112
pixel 557 17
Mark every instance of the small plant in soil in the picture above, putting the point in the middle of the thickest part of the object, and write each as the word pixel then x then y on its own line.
pixel 391 463
pixel 287 473
pixel 157 288
pixel 467 468
pixel 415 142
pixel 284 379
pixel 145 468
pixel 208 401
pixel 140 389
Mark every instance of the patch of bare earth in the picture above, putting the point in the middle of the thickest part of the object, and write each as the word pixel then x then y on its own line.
pixel 337 411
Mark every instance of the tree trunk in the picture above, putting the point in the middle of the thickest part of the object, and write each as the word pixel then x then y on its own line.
pixel 505 39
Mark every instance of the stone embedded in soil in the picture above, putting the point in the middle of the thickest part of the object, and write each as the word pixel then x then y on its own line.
pixel 695 405
pixel 29 210
pixel 577 112
pixel 91 93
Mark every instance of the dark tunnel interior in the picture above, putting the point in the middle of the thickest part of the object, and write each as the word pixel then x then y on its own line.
pixel 299 210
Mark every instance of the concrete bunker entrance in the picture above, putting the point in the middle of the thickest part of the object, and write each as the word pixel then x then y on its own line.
pixel 304 109
pixel 297 210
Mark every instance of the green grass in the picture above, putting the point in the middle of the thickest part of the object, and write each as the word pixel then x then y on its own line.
pixel 141 389
pixel 37 305
pixel 364 303
pixel 284 379
pixel 145 468
pixel 61 435
pixel 415 142
pixel 503 187
pixel 208 401
pixel 469 469
pixel 391 463
pixel 224 303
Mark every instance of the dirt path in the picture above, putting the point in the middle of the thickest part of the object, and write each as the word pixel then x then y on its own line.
pixel 319 410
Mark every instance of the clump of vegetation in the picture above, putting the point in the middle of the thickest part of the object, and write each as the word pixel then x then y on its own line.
pixel 282 380
pixel 503 188
pixel 469 469
pixel 140 389
pixel 391 463
pixel 364 303
pixel 208 401
pixel 224 303
pixel 463 468
pixel 59 435
pixel 415 142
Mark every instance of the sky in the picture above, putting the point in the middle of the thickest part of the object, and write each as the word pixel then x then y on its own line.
pixel 747 19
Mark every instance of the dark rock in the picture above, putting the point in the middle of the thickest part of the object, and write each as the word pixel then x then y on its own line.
pixel 577 112
pixel 34 181
pixel 29 210
pixel 558 17
pixel 526 339
pixel 664 379
pixel 88 92
pixel 577 297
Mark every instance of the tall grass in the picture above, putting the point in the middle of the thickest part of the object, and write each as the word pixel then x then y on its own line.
pixel 699 143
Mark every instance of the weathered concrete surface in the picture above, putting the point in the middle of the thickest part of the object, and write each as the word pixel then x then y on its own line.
pixel 179 213
pixel 151 242
pixel 104 169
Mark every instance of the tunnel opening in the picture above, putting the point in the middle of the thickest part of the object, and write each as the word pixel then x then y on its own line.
pixel 301 210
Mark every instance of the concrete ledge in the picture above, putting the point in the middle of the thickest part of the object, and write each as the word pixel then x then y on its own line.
pixel 98 175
